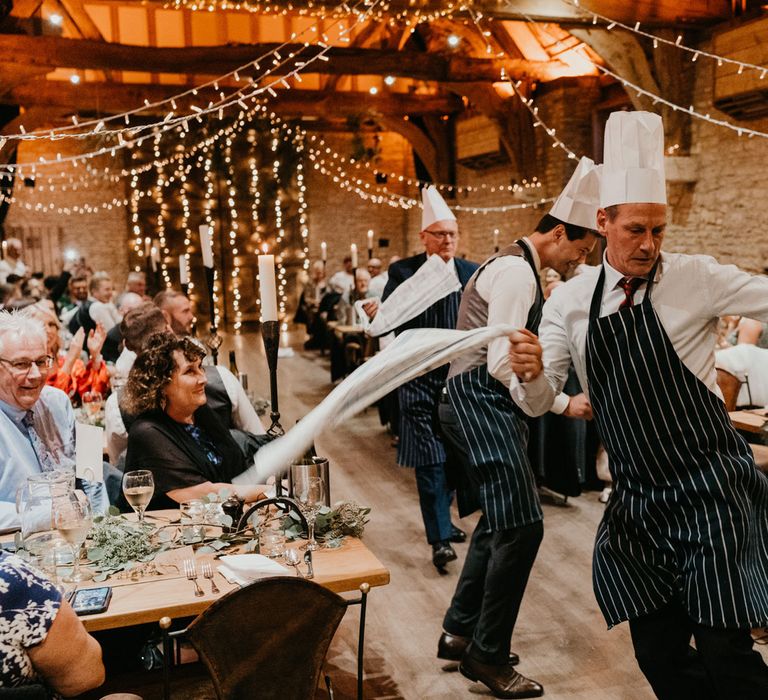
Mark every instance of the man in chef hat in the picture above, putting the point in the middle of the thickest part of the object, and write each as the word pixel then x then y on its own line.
pixel 420 446
pixel 682 551
pixel 483 425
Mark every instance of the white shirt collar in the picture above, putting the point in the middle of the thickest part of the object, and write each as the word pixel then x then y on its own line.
pixel 534 253
pixel 613 276
pixel 451 263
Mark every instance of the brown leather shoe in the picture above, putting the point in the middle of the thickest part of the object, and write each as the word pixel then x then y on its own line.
pixel 503 681
pixel 451 647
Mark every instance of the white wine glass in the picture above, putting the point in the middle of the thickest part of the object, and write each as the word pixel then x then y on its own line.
pixel 73 519
pixel 138 488
pixel 309 490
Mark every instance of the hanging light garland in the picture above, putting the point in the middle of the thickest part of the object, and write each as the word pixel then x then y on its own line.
pixel 233 228
pixel 160 220
pixel 612 24
pixel 208 200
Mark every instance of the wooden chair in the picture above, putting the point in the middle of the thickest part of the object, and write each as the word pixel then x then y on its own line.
pixel 268 640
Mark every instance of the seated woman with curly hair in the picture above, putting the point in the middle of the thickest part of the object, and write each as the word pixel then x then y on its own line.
pixel 174 433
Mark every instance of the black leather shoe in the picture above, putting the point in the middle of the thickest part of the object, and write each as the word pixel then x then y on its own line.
pixel 442 553
pixel 503 681
pixel 457 536
pixel 451 647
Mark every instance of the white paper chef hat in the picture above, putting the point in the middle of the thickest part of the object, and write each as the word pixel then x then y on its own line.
pixel 579 201
pixel 633 162
pixel 434 207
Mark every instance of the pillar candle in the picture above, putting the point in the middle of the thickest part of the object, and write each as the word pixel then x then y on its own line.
pixel 206 246
pixel 147 246
pixel 370 240
pixel 353 254
pixel 496 238
pixel 153 258
pixel 323 251
pixel 183 270
pixel 267 288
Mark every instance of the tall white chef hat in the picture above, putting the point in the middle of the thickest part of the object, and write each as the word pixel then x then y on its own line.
pixel 434 207
pixel 580 199
pixel 633 162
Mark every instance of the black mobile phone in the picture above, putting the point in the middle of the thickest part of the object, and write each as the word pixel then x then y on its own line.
pixel 89 601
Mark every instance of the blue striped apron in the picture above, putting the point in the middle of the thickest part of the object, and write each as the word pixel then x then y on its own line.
pixel 420 443
pixel 496 435
pixel 689 514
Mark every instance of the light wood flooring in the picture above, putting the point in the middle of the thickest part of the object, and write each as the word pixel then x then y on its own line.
pixel 560 636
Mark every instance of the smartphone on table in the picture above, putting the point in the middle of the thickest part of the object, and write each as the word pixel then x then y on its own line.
pixel 89 601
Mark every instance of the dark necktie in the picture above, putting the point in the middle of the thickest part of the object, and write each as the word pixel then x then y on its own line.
pixel 47 461
pixel 629 285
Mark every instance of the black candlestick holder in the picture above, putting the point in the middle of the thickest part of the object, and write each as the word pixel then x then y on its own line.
pixel 270 334
pixel 214 340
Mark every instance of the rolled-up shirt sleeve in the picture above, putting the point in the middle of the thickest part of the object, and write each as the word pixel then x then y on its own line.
pixel 541 395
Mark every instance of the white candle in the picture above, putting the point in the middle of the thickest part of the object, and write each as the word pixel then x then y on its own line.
pixel 370 239
pixel 267 288
pixel 323 251
pixel 153 258
pixel 147 246
pixel 206 245
pixel 353 254
pixel 495 238
pixel 183 270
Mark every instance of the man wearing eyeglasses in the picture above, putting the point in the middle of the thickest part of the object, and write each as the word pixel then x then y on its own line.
pixel 420 445
pixel 37 424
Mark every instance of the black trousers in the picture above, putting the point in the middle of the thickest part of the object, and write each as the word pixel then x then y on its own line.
pixel 723 666
pixel 487 598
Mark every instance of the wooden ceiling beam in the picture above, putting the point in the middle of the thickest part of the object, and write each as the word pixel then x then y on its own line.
pixel 111 98
pixel 52 52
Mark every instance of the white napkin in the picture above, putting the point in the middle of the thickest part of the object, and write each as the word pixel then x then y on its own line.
pixel 242 569
pixel 430 283
pixel 413 353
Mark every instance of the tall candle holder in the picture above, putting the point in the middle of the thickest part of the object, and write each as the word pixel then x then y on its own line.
pixel 270 334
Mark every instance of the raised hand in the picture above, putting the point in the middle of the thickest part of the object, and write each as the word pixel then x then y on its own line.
pixel 579 407
pixel 96 340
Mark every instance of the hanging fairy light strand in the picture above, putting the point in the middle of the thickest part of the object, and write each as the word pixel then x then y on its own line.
pixel 160 220
pixel 612 24
pixel 232 236
pixel 208 202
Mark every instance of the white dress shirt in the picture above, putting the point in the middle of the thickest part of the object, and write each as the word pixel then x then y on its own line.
pixel 508 285
pixel 341 281
pixel 690 293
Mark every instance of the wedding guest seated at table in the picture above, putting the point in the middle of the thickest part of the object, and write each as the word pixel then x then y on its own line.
pixel 224 392
pixel 37 423
pixel 114 340
pixel 177 310
pixel 345 309
pixel 307 312
pixel 41 638
pixel 69 373
pixel 176 434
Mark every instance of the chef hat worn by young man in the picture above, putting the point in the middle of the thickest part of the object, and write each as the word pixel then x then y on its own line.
pixel 633 162
pixel 434 207
pixel 580 199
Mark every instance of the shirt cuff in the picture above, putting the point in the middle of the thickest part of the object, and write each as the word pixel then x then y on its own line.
pixel 560 404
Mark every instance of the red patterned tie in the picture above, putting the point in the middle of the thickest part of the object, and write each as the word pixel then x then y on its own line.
pixel 629 285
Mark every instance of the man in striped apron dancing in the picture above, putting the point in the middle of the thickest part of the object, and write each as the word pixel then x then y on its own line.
pixel 682 550
pixel 490 434
pixel 420 445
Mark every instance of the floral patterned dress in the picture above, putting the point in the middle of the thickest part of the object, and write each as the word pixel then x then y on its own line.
pixel 28 606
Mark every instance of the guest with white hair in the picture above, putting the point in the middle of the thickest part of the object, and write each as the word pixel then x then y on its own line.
pixel 12 263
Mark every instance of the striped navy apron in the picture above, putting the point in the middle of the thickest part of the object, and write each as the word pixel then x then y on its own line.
pixel 689 513
pixel 495 431
pixel 420 443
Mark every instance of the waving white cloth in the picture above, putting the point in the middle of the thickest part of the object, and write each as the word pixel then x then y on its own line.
pixel 434 280
pixel 412 354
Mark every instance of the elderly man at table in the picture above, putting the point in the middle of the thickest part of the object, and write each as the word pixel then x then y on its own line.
pixel 682 549
pixel 37 423
pixel 225 394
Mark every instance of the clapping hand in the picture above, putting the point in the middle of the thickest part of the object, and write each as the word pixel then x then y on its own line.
pixel 371 308
pixel 579 407
pixel 525 355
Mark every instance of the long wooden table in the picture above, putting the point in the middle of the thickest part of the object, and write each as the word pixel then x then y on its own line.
pixel 342 569
pixel 749 421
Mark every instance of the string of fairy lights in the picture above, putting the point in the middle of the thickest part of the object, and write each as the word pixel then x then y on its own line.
pixel 232 235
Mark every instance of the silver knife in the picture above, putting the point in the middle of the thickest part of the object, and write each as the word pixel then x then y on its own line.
pixel 308 562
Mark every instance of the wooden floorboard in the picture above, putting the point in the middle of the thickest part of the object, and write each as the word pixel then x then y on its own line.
pixel 561 637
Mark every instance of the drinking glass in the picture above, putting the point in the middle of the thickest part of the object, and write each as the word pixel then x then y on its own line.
pixel 93 403
pixel 138 487
pixel 73 519
pixel 193 516
pixel 309 490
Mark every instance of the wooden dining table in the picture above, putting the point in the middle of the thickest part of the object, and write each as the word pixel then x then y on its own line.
pixel 751 421
pixel 340 569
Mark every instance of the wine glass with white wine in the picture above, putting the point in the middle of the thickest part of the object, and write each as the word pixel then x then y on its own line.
pixel 73 519
pixel 138 488
pixel 309 490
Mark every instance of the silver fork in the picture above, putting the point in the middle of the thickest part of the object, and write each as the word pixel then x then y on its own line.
pixel 190 570
pixel 207 570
